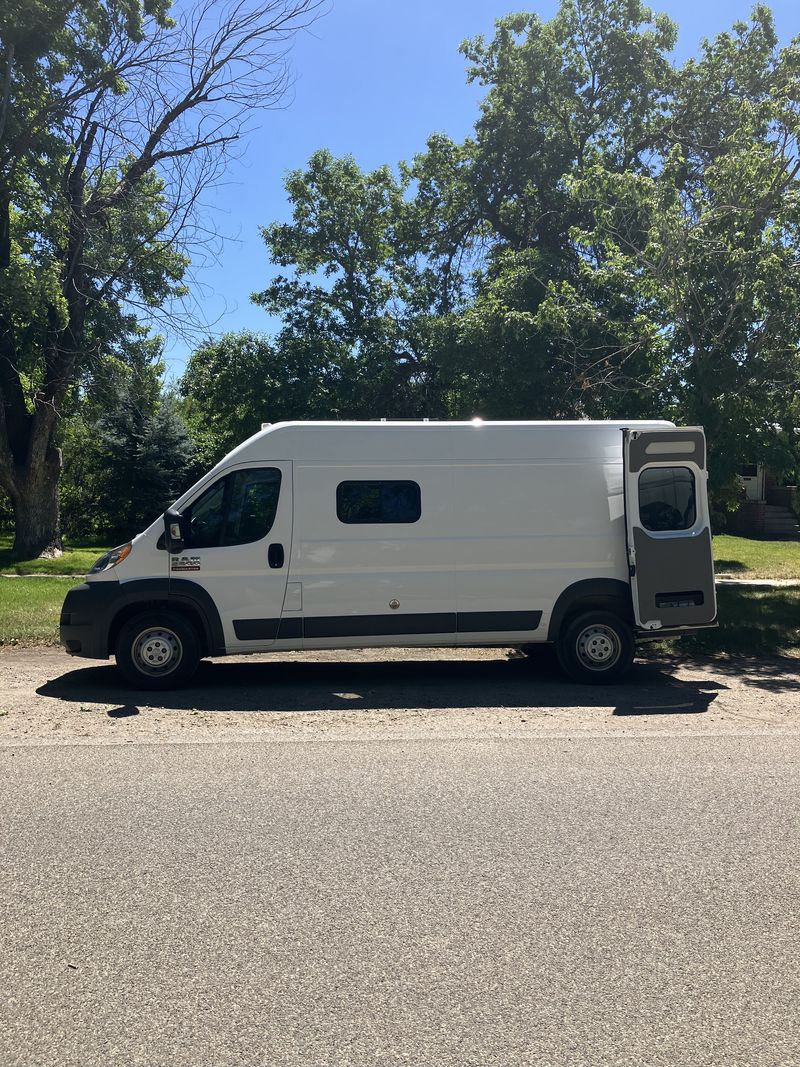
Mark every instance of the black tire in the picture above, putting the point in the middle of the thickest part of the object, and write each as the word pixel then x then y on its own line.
pixel 595 648
pixel 157 650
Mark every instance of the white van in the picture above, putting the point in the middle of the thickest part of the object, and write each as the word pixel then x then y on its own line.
pixel 588 535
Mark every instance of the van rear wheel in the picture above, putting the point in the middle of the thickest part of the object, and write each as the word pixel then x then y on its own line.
pixel 596 648
pixel 157 650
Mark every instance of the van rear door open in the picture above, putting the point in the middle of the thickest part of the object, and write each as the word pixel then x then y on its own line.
pixel 668 528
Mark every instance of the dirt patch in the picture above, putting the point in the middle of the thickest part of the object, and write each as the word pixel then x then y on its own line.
pixel 47 697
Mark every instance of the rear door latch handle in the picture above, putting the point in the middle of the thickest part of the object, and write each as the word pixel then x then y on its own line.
pixel 275 556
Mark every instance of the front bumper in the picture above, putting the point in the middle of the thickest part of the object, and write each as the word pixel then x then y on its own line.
pixel 85 619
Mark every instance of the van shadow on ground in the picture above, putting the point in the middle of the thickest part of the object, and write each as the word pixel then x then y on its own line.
pixel 771 674
pixel 298 686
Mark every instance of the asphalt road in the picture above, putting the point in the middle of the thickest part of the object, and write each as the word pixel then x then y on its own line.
pixel 448 901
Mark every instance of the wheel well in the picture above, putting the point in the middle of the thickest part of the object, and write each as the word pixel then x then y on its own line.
pixel 615 605
pixel 140 607
pixel 590 595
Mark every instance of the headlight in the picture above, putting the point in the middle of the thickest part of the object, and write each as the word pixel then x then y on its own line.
pixel 112 558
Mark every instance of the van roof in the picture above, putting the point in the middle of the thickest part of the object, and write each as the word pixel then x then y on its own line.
pixel 440 424
pixel 398 441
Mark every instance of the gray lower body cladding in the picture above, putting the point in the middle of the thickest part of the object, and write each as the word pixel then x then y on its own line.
pixel 89 612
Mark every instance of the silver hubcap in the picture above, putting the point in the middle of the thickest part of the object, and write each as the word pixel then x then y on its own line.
pixel 157 651
pixel 598 647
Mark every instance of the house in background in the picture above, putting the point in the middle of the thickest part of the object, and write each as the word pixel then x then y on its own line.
pixel 768 510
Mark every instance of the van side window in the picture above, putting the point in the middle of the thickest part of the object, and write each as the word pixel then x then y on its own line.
pixel 667 498
pixel 378 502
pixel 206 517
pixel 236 510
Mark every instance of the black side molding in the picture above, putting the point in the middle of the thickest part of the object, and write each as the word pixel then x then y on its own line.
pixel 267 629
pixel 472 622
pixel 387 625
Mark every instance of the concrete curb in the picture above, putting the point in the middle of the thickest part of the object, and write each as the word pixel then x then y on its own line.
pixel 766 583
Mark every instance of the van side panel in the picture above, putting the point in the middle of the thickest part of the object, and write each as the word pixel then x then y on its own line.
pixel 373 584
pixel 525 531
pixel 497 543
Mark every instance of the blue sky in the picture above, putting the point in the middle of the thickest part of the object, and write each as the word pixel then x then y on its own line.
pixel 374 79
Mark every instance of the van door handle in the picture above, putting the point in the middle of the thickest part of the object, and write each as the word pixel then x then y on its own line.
pixel 275 556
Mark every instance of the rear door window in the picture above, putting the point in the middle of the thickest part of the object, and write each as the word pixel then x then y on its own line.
pixel 667 498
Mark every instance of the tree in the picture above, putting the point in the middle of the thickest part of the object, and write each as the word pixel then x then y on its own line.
pixel 234 384
pixel 361 296
pixel 114 119
pixel 156 443
pixel 588 86
pixel 618 239
pixel 136 427
pixel 426 290
pixel 709 241
pixel 125 387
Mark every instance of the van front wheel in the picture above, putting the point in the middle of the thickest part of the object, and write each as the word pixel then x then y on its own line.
pixel 596 648
pixel 157 650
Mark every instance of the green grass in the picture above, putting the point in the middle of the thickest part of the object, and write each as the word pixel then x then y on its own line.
pixel 30 609
pixel 740 557
pixel 77 559
pixel 752 622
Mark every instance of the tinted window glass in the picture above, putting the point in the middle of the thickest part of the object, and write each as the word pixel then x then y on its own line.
pixel 236 510
pixel 378 502
pixel 252 504
pixel 206 518
pixel 666 498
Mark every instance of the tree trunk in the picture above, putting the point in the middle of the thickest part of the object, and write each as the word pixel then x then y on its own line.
pixel 37 512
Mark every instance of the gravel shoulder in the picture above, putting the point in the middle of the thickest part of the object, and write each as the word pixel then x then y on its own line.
pixel 48 698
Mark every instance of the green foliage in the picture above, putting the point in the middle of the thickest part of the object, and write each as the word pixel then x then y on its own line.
pixel 127 453
pixel 234 384
pixel 360 301
pixel 701 246
pixel 618 239
pixel 585 88
pixel 113 119
pixel 82 242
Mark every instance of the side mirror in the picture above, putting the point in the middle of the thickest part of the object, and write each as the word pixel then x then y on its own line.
pixel 173 531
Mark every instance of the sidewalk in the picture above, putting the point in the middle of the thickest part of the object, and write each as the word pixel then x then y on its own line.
pixel 767 583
